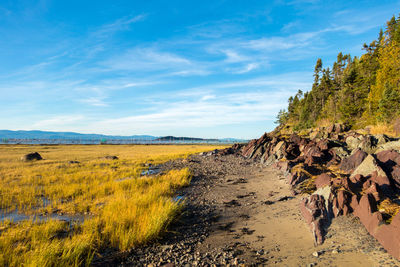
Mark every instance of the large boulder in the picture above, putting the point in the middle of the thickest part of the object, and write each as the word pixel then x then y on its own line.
pixel 315 214
pixel 389 236
pixel 323 180
pixel 31 157
pixel 381 139
pixel 393 145
pixel 367 167
pixel 366 210
pixel 366 143
pixel 352 162
pixel 256 147
pixel 390 162
pixel 353 142
pixel 341 203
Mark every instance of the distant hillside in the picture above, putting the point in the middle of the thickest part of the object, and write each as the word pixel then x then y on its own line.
pixel 7 134
pixel 44 135
pixel 174 138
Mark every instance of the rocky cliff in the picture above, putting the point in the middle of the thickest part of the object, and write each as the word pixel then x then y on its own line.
pixel 339 172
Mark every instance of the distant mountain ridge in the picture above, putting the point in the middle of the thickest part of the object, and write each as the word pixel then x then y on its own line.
pixel 174 138
pixel 36 134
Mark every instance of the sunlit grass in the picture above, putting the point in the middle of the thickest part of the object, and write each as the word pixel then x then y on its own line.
pixel 121 208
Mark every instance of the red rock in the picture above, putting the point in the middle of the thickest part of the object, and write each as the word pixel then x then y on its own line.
pixel 367 212
pixel 341 203
pixel 314 212
pixel 323 144
pixel 388 156
pixel 348 185
pixel 374 191
pixel 294 138
pixel 358 178
pixel 323 180
pixel 353 161
pixel 313 155
pixel 354 202
pixel 297 177
pixel 396 174
pixel 390 162
pixel 381 180
pixel 283 166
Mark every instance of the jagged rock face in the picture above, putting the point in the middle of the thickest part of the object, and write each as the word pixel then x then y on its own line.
pixel 32 156
pixel 390 162
pixel 338 183
pixel 352 162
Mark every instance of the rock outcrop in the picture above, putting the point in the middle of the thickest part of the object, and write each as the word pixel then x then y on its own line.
pixel 335 182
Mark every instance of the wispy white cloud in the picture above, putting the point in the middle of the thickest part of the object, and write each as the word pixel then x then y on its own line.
pixel 117 25
pixel 95 101
pixel 58 122
pixel 206 112
pixel 146 59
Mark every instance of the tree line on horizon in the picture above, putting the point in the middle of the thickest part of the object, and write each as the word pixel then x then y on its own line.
pixel 357 91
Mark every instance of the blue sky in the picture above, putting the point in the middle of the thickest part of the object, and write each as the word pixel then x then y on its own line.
pixel 185 68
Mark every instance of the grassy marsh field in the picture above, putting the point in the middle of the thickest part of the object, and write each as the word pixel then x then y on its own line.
pixel 103 202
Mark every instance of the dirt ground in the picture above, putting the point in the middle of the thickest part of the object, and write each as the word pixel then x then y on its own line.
pixel 240 212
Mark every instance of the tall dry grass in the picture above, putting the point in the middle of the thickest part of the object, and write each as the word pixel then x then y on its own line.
pixel 122 208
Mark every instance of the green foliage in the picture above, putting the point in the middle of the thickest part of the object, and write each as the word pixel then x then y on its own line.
pixel 389 104
pixel 356 90
pixel 282 117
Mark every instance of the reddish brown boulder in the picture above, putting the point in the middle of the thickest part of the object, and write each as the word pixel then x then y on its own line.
pixel 388 158
pixel 255 148
pixel 352 162
pixel 389 236
pixel 348 185
pixel 358 178
pixel 396 175
pixel 313 155
pixel 390 162
pixel 323 180
pixel 373 190
pixel 382 180
pixel 297 177
pixel 367 212
pixel 294 138
pixel 315 214
pixel 341 203
pixel 323 144
pixel 249 148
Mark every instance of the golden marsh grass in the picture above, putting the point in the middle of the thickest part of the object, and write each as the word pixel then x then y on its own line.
pixel 121 208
